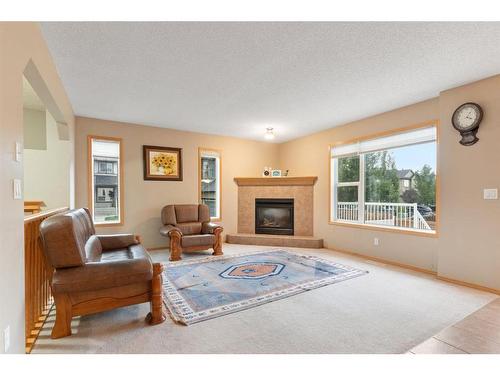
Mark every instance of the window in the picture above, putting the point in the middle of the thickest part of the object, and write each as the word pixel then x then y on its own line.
pixel 105 180
pixel 210 181
pixel 106 167
pixel 387 181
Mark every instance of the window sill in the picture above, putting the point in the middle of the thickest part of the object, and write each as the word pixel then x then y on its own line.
pixel 409 231
pixel 117 224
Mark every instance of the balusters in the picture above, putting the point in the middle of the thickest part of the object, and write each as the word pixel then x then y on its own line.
pixel 37 293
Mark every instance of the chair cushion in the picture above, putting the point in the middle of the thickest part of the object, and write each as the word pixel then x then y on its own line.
pixel 189 228
pixel 112 269
pixel 117 241
pixel 198 240
pixel 186 213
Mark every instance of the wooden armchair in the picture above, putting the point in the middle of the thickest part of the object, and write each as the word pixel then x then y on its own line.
pixel 189 228
pixel 93 273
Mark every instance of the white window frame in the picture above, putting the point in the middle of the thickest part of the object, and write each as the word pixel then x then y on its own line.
pixel 356 148
pixel 360 185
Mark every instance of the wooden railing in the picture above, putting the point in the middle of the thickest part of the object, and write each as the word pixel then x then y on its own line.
pixel 38 297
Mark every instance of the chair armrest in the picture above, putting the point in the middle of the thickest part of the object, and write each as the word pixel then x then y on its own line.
pixel 167 229
pixel 209 227
pixel 117 241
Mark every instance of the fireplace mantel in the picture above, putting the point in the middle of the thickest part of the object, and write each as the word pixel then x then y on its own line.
pixel 276 181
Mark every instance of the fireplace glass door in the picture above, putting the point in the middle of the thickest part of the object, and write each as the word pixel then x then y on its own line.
pixel 274 216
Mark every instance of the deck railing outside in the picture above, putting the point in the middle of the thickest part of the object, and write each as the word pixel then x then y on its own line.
pixel 37 277
pixel 401 215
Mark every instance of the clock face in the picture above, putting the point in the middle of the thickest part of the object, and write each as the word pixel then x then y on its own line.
pixel 467 116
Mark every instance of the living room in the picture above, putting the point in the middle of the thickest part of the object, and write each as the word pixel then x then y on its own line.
pixel 169 187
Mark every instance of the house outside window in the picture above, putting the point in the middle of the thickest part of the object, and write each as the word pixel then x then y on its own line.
pixel 405 177
pixel 386 181
pixel 210 181
pixel 104 169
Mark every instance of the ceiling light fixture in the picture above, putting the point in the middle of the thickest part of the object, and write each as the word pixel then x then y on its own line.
pixel 269 134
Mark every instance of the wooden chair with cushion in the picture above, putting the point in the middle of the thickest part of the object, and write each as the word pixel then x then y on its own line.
pixel 93 273
pixel 189 228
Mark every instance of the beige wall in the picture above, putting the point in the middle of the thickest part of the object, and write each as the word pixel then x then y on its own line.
pixel 308 156
pixel 468 242
pixel 19 42
pixel 144 199
pixel 47 172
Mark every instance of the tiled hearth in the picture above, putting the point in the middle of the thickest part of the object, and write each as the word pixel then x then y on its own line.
pixel 300 189
pixel 307 242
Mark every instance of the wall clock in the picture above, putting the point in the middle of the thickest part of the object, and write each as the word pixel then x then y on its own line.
pixel 466 120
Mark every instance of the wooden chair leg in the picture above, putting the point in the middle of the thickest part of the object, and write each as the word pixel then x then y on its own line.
pixel 157 314
pixel 62 326
pixel 175 245
pixel 218 241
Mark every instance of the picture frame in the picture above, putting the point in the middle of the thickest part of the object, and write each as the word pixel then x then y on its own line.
pixel 276 173
pixel 162 163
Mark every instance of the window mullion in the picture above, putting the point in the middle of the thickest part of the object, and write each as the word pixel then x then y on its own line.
pixel 361 189
pixel 335 185
pixel 344 184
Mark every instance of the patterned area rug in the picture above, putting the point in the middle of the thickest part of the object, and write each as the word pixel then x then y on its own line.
pixel 201 289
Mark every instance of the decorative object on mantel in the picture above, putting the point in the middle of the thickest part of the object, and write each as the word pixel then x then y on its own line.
pixel 162 163
pixel 276 173
pixel 466 120
pixel 270 172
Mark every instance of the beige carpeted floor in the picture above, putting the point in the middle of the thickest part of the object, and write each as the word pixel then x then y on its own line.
pixel 390 310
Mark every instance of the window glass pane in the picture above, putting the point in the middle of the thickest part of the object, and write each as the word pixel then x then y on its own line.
pixel 381 177
pixel 106 181
pixel 400 187
pixel 210 184
pixel 348 169
pixel 347 206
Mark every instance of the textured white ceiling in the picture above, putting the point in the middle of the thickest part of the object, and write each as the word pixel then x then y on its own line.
pixel 239 78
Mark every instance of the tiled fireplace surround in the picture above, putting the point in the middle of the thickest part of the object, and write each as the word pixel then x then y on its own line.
pixel 301 189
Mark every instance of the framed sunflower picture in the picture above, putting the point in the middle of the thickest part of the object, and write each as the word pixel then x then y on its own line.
pixel 162 163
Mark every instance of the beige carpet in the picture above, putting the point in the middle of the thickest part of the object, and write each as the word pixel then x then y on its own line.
pixel 390 310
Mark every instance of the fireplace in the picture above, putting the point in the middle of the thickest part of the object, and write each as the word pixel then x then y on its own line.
pixel 274 216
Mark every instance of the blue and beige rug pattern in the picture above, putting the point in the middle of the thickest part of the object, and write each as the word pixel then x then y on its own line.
pixel 201 289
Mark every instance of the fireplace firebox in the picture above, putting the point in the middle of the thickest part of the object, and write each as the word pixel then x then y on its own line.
pixel 274 216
